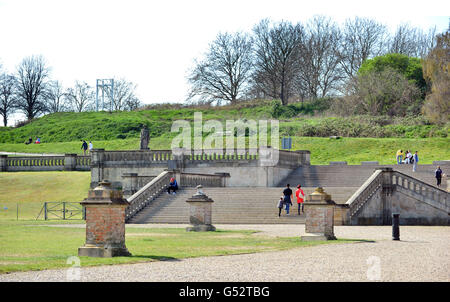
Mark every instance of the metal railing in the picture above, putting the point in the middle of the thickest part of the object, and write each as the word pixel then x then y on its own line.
pixel 62 210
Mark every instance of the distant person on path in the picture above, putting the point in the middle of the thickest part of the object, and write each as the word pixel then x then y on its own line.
pixel 91 146
pixel 287 192
pixel 84 147
pixel 399 157
pixel 280 205
pixel 300 196
pixel 415 160
pixel 173 186
pixel 438 175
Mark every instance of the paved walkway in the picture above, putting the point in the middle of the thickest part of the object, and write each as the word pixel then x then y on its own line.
pixel 423 254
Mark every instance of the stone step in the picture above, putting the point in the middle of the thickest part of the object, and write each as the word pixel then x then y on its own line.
pixel 231 205
pixel 341 176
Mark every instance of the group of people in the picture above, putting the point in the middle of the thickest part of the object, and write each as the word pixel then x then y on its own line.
pixel 85 147
pixel 30 140
pixel 407 158
pixel 285 201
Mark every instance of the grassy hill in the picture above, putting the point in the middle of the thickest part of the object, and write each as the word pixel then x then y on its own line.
pixel 364 137
pixel 295 120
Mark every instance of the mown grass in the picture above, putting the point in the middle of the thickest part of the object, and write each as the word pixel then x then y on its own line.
pixel 29 190
pixel 31 246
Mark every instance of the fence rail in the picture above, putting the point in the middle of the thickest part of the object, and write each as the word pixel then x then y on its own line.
pixel 62 210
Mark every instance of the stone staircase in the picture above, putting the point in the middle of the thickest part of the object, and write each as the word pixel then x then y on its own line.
pixel 351 175
pixel 232 205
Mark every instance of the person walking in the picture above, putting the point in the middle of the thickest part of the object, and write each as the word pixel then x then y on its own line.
pixel 91 146
pixel 173 186
pixel 415 159
pixel 438 175
pixel 399 157
pixel 280 205
pixel 84 147
pixel 300 196
pixel 287 192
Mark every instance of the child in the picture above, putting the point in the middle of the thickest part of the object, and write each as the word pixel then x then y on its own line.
pixel 280 205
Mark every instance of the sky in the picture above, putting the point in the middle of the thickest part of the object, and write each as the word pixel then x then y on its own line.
pixel 154 43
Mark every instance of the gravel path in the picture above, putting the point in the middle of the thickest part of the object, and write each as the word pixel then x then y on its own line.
pixel 421 255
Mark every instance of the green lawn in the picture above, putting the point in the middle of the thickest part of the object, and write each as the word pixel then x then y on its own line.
pixel 30 245
pixel 29 190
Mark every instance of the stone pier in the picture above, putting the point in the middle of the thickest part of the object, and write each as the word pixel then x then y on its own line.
pixel 319 210
pixel 105 222
pixel 200 212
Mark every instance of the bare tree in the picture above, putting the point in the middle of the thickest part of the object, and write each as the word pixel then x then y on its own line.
pixel 123 93
pixel 412 41
pixel 362 38
pixel 81 96
pixel 56 98
pixel 8 97
pixel 276 52
pixel 319 72
pixel 133 103
pixel 32 76
pixel 222 75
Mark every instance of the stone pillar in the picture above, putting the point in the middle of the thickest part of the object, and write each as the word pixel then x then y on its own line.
pixel 224 178
pixel 97 161
pixel 319 210
pixel 177 161
pixel 268 157
pixel 105 222
pixel 386 196
pixel 70 162
pixel 200 210
pixel 3 163
pixel 130 184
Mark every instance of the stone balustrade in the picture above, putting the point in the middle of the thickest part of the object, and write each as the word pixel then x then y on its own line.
pixel 388 190
pixel 68 162
pixel 136 155
pixel 146 194
pixel 364 193
pixel 430 194
pixel 158 184
pixel 210 155
pixel 206 180
pixel 293 158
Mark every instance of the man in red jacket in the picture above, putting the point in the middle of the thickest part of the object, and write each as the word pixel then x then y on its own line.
pixel 300 196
